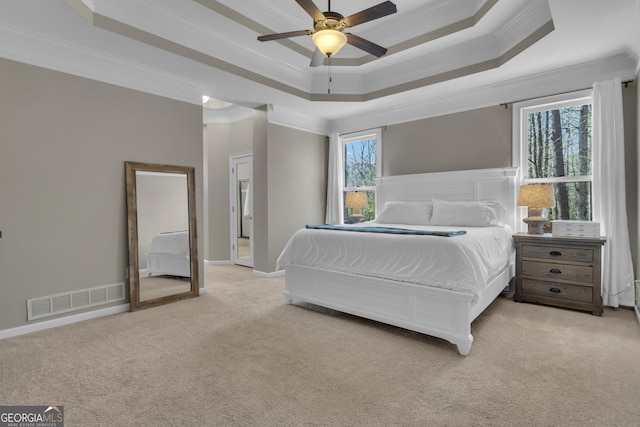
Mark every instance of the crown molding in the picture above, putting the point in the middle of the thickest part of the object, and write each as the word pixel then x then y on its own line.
pixel 60 55
pixel 296 120
pixel 226 116
pixel 275 115
pixel 525 22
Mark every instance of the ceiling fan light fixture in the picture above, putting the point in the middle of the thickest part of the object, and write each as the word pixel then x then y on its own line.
pixel 329 41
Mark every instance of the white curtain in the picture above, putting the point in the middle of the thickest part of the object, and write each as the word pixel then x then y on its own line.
pixel 334 181
pixel 610 206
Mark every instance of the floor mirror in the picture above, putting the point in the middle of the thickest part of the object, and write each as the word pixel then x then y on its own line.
pixel 161 217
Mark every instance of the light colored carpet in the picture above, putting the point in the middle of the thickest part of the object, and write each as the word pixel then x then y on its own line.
pixel 238 356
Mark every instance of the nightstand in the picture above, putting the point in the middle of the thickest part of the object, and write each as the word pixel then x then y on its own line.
pixel 559 271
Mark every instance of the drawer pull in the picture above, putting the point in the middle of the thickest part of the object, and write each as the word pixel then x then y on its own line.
pixel 555 290
pixel 555 271
pixel 555 253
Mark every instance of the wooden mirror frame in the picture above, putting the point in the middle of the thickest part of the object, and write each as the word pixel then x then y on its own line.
pixel 132 229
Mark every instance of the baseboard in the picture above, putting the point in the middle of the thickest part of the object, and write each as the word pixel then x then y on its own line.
pixel 62 321
pixel 218 262
pixel 637 313
pixel 268 275
pixel 202 291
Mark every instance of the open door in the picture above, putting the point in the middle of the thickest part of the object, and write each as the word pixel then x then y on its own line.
pixel 241 193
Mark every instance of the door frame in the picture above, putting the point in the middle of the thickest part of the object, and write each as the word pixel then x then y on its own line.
pixel 234 161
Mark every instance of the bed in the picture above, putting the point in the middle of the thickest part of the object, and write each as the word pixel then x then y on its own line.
pixel 169 254
pixel 345 271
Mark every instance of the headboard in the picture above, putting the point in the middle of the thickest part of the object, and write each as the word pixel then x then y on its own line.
pixel 468 185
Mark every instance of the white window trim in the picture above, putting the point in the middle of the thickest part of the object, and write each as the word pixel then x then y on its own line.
pixel 519 156
pixel 372 133
pixel 357 136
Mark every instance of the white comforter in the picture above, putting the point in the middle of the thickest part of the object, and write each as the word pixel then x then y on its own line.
pixel 464 263
pixel 170 243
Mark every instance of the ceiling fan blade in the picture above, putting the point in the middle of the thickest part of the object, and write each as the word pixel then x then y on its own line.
pixel 365 45
pixel 284 35
pixel 310 7
pixel 317 59
pixel 375 12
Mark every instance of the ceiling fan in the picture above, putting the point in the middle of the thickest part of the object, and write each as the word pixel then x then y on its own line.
pixel 328 27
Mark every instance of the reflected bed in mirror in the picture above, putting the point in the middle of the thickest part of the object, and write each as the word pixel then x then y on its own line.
pixel 163 261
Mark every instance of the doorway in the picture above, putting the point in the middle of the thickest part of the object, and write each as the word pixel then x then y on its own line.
pixel 241 202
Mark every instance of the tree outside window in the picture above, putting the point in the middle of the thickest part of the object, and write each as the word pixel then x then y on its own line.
pixel 557 149
pixel 361 159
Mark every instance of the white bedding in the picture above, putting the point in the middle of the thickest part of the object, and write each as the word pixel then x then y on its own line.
pixel 170 243
pixel 463 263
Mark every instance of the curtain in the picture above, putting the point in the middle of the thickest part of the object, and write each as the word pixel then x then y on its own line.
pixel 610 206
pixel 334 181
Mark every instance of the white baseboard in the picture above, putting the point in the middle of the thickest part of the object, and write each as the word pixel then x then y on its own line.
pixel 218 262
pixel 268 275
pixel 202 291
pixel 62 321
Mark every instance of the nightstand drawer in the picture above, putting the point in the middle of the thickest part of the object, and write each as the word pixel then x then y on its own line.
pixel 561 271
pixel 558 291
pixel 548 270
pixel 557 253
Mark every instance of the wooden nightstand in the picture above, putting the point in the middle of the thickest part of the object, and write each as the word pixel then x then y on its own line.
pixel 559 271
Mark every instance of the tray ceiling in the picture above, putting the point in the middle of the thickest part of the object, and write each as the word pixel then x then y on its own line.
pixel 435 48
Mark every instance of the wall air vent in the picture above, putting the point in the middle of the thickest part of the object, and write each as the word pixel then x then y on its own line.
pixel 65 302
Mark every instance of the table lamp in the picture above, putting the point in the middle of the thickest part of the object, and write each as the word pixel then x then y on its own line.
pixel 537 197
pixel 356 201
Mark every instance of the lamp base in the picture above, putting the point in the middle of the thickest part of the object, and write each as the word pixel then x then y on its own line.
pixel 535 224
pixel 355 218
pixel 537 220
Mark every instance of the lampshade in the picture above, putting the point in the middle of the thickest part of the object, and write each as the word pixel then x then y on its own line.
pixel 356 200
pixel 537 196
pixel 329 41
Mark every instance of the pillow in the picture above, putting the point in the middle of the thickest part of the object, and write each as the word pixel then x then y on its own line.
pixel 470 214
pixel 416 213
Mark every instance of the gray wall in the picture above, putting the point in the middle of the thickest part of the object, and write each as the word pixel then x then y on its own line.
pixel 261 191
pixel 63 143
pixel 290 181
pixel 481 138
pixel 475 139
pixel 629 101
pixel 221 141
pixel 297 167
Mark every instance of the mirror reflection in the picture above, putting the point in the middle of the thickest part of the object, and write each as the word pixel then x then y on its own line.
pixel 163 234
pixel 162 237
pixel 244 216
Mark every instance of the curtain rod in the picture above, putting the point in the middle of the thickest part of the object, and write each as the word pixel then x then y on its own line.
pixel 506 104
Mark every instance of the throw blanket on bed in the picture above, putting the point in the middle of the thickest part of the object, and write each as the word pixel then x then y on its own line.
pixel 388 230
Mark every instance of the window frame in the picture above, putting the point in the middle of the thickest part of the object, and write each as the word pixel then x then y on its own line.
pixel 520 151
pixel 350 138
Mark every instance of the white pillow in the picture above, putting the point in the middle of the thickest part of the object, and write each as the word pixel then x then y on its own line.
pixel 470 214
pixel 416 213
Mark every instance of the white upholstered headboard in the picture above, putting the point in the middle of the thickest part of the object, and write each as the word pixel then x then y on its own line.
pixel 467 185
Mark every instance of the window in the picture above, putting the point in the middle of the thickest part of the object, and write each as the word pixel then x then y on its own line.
pixel 555 147
pixel 361 167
